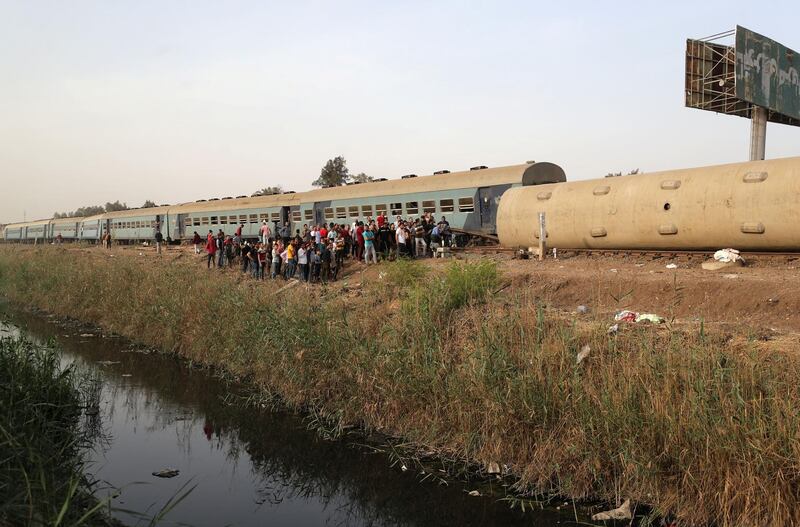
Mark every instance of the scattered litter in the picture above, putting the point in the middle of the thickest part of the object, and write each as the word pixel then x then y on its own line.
pixel 772 300
pixel 727 256
pixel 722 259
pixel 493 468
pixel 632 316
pixel 87 335
pixel 620 513
pixel 672 266
pixel 127 375
pixel 626 316
pixel 650 317
pixel 474 493
pixel 166 473
pixel 583 353
pixel 612 270
pixel 612 329
pixel 107 362
pixel 730 276
pixel 639 265
pixel 583 309
pixel 403 467
pixel 142 254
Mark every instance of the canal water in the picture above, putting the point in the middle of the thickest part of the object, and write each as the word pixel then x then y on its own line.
pixel 250 467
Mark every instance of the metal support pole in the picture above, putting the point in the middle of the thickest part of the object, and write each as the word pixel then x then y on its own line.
pixel 758 133
pixel 542 236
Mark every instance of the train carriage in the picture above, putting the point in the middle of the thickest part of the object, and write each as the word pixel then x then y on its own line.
pixel 90 228
pixel 468 200
pixel 34 231
pixel 12 232
pixel 67 228
pixel 136 225
pixel 227 214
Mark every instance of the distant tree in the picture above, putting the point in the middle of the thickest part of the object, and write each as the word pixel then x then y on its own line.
pixel 617 174
pixel 268 191
pixel 333 174
pixel 362 178
pixel 89 210
pixel 113 207
pixel 148 204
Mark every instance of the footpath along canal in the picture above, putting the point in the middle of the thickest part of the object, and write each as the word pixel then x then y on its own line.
pixel 250 466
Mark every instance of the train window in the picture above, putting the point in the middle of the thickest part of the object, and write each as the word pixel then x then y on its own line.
pixel 204 220
pixel 196 221
pixel 254 218
pixel 366 210
pixel 381 207
pixel 328 213
pixel 214 220
pixel 276 216
pixel 446 205
pixel 296 215
pixel 223 220
pixel 242 218
pixel 466 205
pixel 412 207
pixel 353 211
pixel 341 212
pixel 308 214
pixel 263 216
pixel 187 222
pixel 397 209
pixel 429 206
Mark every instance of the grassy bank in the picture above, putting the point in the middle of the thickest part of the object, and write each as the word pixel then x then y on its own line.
pixel 691 422
pixel 42 478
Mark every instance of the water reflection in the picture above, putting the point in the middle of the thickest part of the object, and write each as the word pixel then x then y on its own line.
pixel 251 467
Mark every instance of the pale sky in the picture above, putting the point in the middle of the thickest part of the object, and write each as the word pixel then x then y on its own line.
pixel 180 100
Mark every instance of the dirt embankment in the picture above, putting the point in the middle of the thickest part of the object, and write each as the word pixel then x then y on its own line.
pixel 760 298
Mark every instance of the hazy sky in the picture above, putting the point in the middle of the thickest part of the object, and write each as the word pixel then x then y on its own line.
pixel 180 100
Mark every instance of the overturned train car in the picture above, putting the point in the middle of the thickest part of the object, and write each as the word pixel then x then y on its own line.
pixel 748 206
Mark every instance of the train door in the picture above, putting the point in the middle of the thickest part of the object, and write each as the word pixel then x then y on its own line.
pixel 295 218
pixel 319 211
pixel 180 226
pixel 487 208
pixel 284 215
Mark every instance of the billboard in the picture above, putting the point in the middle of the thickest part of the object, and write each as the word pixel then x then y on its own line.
pixel 731 80
pixel 767 73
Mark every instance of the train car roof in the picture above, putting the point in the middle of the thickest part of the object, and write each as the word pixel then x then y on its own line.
pixel 485 177
pixel 92 218
pixel 68 219
pixel 130 213
pixel 32 223
pixel 273 200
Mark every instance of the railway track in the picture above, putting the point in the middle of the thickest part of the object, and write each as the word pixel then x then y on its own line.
pixel 653 253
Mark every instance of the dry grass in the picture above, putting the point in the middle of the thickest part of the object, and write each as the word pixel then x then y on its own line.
pixel 694 423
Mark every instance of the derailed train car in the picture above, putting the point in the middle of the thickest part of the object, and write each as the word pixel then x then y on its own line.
pixel 748 206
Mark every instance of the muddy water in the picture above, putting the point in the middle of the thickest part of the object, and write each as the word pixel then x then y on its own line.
pixel 250 467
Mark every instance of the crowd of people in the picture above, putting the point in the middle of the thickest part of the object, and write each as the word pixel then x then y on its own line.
pixel 317 253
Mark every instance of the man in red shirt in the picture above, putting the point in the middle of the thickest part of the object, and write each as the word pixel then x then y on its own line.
pixel 359 241
pixel 381 219
pixel 239 230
